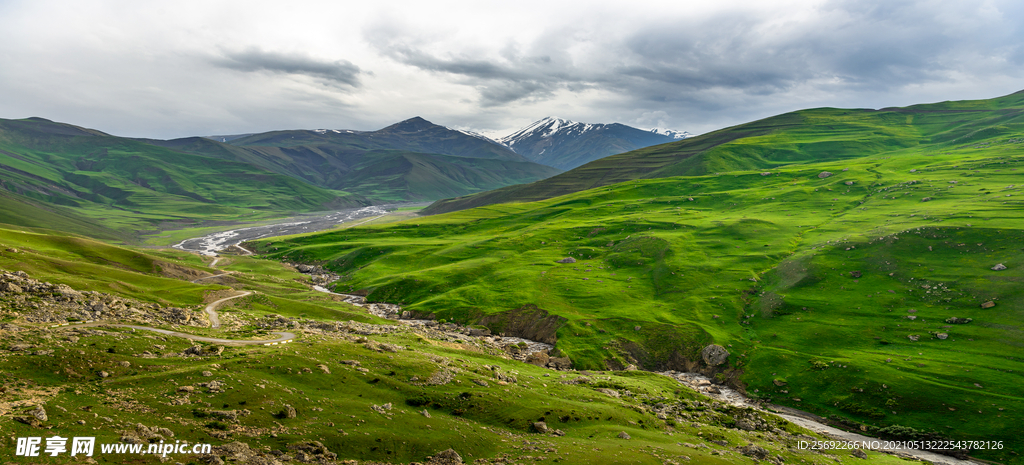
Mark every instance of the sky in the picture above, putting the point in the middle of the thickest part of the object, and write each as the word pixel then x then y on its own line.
pixel 176 69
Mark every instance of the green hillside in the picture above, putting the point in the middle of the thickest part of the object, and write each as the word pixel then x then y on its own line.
pixel 411 160
pixel 123 185
pixel 806 136
pixel 356 385
pixel 808 272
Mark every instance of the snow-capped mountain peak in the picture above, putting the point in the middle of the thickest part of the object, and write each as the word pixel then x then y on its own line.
pixel 671 133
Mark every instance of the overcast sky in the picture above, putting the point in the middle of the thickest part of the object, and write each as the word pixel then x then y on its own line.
pixel 174 69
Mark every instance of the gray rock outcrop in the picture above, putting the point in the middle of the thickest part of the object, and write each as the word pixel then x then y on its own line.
pixel 714 355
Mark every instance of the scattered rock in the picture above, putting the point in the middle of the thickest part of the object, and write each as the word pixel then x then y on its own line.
pixel 39 413
pixel 958 321
pixel 480 382
pixel 608 392
pixel 311 452
pixel 999 267
pixel 447 457
pixel 754 451
pixel 745 425
pixel 714 355
pixel 564 260
pixel 623 435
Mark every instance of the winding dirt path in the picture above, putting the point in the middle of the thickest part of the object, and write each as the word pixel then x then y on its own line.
pixel 211 311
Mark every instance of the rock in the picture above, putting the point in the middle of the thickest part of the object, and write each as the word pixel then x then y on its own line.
pixel 103 374
pixel 207 374
pixel 779 382
pixel 186 389
pixel 849 183
pixel 446 457
pixel 312 452
pixel 824 174
pixel 10 287
pixel 745 425
pixel 859 453
pixel 941 335
pixel 755 452
pixel 480 382
pixel 567 260
pixel 538 358
pixel 636 328
pixel 714 355
pixel 608 392
pixel 913 337
pixel 988 304
pixel 324 368
pixel 623 435
pixel 19 347
pixel 540 427
pixel 856 274
pixel 958 321
pixel 31 421
pixel 425 413
pixel 926 199
pixel 288 412
pixel 39 413
pixel 560 363
pixel 354 363
pixel 999 267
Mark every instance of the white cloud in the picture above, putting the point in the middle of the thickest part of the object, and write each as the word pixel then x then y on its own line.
pixel 168 70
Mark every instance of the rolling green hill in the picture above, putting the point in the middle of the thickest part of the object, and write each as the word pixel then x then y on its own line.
pixel 356 385
pixel 805 136
pixel 840 271
pixel 123 185
pixel 411 160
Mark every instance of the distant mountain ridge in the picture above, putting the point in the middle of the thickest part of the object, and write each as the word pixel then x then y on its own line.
pixel 410 160
pixel 566 144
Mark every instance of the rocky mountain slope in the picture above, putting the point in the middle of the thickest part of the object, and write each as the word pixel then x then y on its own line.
pixel 567 144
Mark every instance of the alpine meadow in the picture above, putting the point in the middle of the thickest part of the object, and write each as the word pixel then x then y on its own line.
pixel 726 298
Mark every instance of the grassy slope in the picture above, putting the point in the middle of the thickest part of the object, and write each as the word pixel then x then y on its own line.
pixel 336 408
pixel 804 136
pixel 125 185
pixel 384 165
pixel 737 265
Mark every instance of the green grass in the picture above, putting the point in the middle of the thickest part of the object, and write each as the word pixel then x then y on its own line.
pixel 735 266
pixel 108 186
pixel 805 136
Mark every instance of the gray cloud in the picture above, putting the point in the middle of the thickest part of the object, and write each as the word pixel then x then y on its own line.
pixel 257 60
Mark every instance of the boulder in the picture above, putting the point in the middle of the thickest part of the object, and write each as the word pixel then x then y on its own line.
pixel 39 412
pixel 567 260
pixel 540 427
pixel 859 453
pixel 288 412
pixel 755 452
pixel 538 358
pixel 999 267
pixel 446 457
pixel 714 355
pixel 855 274
pixel 824 174
pixel 623 435
pixel 988 304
